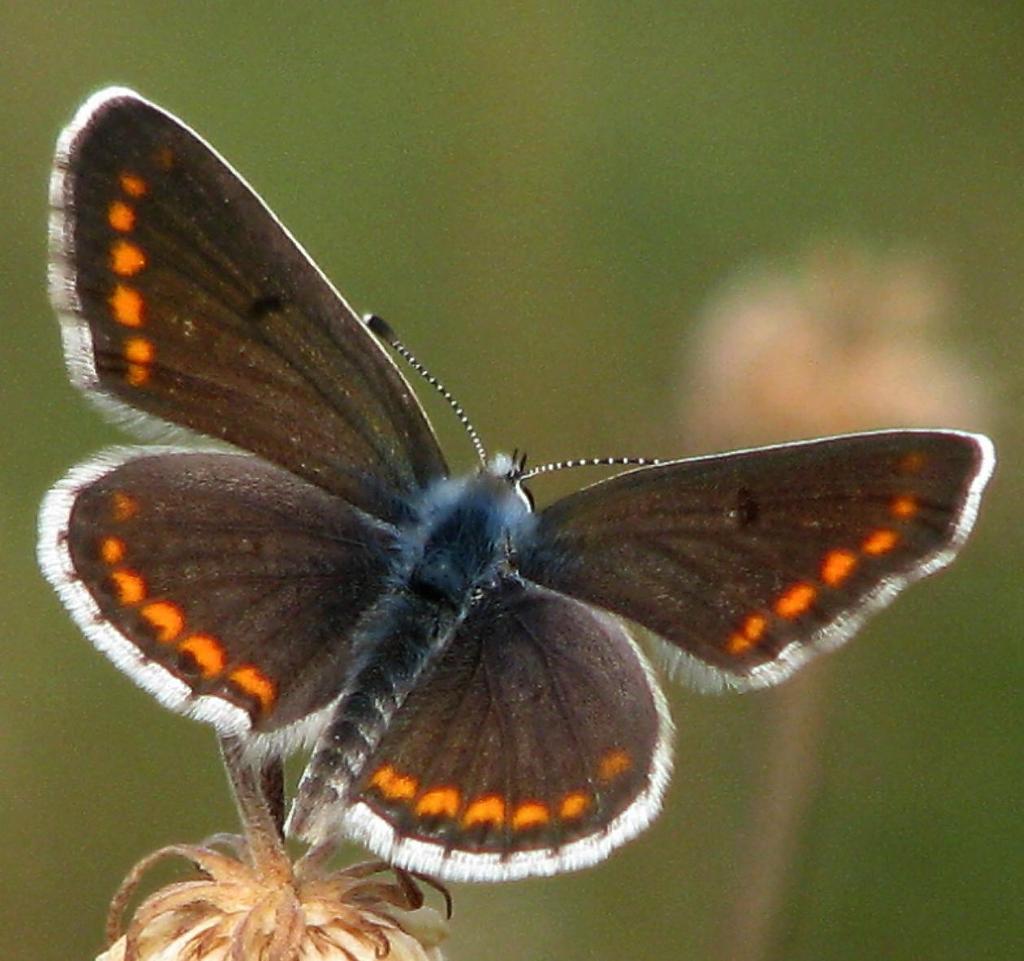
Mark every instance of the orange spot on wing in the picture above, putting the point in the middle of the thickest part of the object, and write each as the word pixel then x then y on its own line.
pixel 912 463
pixel 126 259
pixel 250 680
pixel 489 809
pixel 753 626
pixel 382 778
pixel 404 787
pixel 128 585
pixel 137 374
pixel 121 216
pixel 738 644
pixel 613 764
pixel 747 636
pixel 125 507
pixel 394 786
pixel 163 157
pixel 904 506
pixel 206 651
pixel 530 814
pixel 138 350
pixel 439 802
pixel 166 618
pixel 133 185
pixel 573 805
pixel 112 550
pixel 837 566
pixel 140 355
pixel 126 303
pixel 880 541
pixel 795 600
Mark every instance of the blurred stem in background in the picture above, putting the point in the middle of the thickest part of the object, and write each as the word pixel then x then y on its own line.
pixel 845 340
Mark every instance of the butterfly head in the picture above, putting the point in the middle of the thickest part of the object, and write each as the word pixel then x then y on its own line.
pixel 510 469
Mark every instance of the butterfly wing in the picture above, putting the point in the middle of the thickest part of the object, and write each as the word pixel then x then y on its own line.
pixel 188 568
pixel 747 563
pixel 535 743
pixel 182 297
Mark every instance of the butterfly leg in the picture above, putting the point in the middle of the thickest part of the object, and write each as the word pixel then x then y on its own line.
pixel 272 786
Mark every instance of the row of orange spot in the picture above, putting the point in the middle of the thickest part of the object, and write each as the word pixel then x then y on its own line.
pixel 836 567
pixel 126 260
pixel 445 801
pixel 167 619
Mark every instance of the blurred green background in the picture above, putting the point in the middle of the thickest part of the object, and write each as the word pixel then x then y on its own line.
pixel 543 200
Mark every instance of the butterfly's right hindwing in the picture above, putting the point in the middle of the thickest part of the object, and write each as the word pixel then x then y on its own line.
pixel 536 741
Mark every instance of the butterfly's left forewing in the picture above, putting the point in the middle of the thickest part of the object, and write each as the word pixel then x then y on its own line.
pixel 183 298
pixel 748 563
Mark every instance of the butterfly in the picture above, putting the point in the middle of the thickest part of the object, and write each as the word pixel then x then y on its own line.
pixel 464 666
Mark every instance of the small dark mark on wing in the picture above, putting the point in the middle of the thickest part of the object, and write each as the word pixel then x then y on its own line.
pixel 747 510
pixel 268 304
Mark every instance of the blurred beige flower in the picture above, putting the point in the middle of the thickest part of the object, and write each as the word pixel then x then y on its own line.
pixel 846 340
pixel 234 911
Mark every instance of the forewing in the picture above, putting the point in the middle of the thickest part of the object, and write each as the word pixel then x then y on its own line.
pixel 535 743
pixel 225 586
pixel 747 563
pixel 182 297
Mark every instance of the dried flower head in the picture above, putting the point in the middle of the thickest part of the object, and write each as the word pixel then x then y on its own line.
pixel 237 911
pixel 845 341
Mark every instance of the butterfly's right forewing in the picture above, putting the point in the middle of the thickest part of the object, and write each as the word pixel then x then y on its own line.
pixel 748 563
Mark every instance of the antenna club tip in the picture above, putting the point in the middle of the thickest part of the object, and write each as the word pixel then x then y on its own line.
pixel 379 326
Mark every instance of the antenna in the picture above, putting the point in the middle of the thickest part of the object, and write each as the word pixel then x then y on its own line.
pixel 383 330
pixel 591 462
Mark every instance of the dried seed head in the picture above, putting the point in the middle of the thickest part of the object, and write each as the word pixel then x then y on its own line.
pixel 844 340
pixel 233 911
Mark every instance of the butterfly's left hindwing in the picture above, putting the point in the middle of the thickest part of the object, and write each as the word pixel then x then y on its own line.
pixel 226 586
pixel 747 563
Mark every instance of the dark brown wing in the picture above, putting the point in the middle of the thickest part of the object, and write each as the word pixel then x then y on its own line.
pixel 536 743
pixel 182 297
pixel 747 563
pixel 225 586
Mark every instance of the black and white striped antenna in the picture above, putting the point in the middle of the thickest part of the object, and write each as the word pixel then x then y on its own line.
pixel 382 329
pixel 590 462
